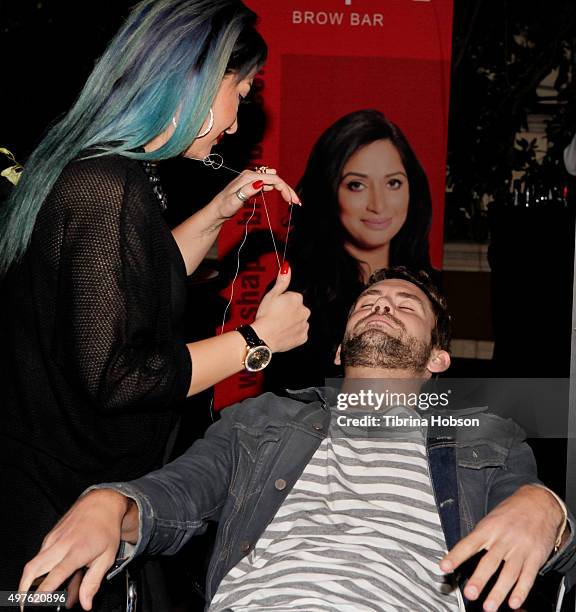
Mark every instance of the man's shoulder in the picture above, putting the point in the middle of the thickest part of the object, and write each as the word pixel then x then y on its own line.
pixel 269 408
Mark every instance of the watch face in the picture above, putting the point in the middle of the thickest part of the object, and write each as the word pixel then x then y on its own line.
pixel 258 358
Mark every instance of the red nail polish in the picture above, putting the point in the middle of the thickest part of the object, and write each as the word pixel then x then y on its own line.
pixel 257 184
pixel 285 268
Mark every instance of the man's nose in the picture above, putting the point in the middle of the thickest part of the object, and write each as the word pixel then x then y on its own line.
pixel 381 305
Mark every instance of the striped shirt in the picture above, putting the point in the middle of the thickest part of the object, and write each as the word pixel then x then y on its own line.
pixel 359 531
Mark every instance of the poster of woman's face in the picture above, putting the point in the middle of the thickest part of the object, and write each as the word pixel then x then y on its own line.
pixel 355 101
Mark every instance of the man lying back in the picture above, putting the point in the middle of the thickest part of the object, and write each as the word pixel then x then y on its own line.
pixel 321 510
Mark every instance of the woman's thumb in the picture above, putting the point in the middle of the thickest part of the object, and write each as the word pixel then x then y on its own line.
pixel 282 280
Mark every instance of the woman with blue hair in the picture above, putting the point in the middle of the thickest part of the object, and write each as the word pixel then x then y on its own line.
pixel 93 362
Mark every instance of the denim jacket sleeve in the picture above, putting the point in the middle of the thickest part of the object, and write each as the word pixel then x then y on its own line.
pixel 176 501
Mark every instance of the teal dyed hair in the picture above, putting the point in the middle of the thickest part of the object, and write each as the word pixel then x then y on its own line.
pixel 169 57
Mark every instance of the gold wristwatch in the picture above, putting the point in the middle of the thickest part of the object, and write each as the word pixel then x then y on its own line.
pixel 258 353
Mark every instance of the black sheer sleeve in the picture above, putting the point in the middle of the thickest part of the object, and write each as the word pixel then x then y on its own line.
pixel 113 338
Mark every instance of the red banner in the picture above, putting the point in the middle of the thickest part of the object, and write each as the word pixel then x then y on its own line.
pixel 328 58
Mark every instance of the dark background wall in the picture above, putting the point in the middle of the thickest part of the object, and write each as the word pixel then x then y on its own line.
pixel 48 48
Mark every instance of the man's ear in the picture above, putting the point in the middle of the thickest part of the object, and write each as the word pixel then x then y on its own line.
pixel 439 361
pixel 337 360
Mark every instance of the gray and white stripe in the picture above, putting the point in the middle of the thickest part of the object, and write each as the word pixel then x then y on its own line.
pixel 359 531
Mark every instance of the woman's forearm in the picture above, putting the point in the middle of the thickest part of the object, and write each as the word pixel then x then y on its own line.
pixel 214 359
pixel 196 235
pixel 281 322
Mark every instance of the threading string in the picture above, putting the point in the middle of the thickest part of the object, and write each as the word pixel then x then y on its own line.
pixel 216 161
pixel 232 290
pixel 237 267
pixel 271 232
pixel 287 232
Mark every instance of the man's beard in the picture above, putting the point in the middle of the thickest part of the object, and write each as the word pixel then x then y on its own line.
pixel 375 348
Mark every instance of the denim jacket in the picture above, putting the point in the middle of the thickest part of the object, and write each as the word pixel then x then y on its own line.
pixel 242 470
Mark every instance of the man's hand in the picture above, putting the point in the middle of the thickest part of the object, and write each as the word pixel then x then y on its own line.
pixel 521 532
pixel 88 535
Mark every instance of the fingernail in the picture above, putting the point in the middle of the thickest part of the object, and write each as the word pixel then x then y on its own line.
pixel 489 606
pixel 446 566
pixel 257 184
pixel 514 602
pixel 285 268
pixel 471 592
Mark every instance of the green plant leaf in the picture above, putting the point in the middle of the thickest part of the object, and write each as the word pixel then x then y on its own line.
pixel 12 173
pixel 8 154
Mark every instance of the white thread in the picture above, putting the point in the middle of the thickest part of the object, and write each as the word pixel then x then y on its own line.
pixel 288 232
pixel 237 268
pixel 216 161
pixel 271 232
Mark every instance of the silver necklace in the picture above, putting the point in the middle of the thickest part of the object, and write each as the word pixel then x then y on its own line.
pixel 151 170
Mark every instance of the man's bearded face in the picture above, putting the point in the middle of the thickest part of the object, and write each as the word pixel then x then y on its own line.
pixel 374 347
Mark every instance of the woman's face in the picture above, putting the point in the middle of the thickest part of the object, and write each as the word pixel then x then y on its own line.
pixel 225 109
pixel 373 196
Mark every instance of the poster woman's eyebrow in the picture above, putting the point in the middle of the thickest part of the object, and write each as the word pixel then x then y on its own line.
pixel 360 174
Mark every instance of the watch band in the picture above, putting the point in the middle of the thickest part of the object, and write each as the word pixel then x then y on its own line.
pixel 250 336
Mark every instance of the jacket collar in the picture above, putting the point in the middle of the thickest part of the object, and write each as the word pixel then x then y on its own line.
pixel 325 395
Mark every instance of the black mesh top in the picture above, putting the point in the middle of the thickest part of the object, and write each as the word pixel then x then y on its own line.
pixel 92 361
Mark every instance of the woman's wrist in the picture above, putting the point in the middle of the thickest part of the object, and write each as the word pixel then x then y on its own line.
pixel 264 333
pixel 216 208
pixel 213 218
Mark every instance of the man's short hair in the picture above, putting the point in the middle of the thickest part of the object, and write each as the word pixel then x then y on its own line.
pixel 441 332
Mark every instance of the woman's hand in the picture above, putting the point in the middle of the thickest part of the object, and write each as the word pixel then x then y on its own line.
pixel 245 186
pixel 88 535
pixel 282 318
pixel 196 235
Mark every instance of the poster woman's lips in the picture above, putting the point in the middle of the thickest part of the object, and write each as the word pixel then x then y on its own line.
pixel 377 224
